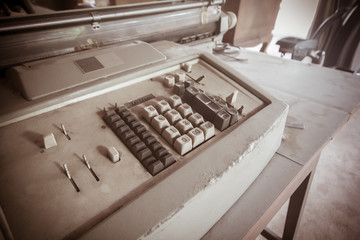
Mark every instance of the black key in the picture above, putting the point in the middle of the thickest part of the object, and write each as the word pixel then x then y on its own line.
pixel 234 115
pixel 139 129
pixel 125 113
pixel 207 108
pixel 179 89
pixel 155 167
pixel 138 146
pixel 167 159
pixel 190 93
pixel 129 119
pixel 142 154
pixel 214 108
pixel 161 152
pixel 112 118
pixel 146 162
pixel 120 109
pixel 144 135
pixel 121 130
pixel 134 124
pixel 222 120
pixel 221 102
pixel 155 146
pixel 148 141
pixel 200 102
pixel 109 113
pixel 131 141
pixel 189 83
pixel 126 135
pixel 117 124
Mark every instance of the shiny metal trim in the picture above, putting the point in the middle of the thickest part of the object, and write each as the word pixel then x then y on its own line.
pixel 37 22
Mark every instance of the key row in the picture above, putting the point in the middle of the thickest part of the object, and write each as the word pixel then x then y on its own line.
pixel 142 143
pixel 179 126
pixel 213 109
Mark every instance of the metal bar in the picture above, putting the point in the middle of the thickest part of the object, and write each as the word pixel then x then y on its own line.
pixel 90 168
pixel 89 17
pixel 75 185
pixel 94 174
pixel 20 47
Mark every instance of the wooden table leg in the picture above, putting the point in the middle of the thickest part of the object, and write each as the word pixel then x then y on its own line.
pixel 296 207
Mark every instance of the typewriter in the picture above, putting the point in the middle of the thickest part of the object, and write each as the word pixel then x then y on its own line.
pixel 117 123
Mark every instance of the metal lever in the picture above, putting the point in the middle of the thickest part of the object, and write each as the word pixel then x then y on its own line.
pixel 70 178
pixel 90 169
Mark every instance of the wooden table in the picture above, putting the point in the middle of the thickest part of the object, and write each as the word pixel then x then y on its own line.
pixel 323 100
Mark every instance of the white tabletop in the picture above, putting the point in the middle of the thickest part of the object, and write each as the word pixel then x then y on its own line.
pixel 321 99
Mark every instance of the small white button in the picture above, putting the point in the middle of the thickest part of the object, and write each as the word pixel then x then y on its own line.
pixel 49 141
pixel 169 81
pixel 184 126
pixel 180 77
pixel 174 101
pixel 113 154
pixel 160 123
pixel 196 119
pixel 185 110
pixel 162 106
pixel 170 134
pixel 183 144
pixel 173 116
pixel 208 129
pixel 149 112
pixel 187 67
pixel 197 136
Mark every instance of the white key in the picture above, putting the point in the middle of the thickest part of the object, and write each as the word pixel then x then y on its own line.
pixel 183 144
pixel 196 119
pixel 169 81
pixel 173 116
pixel 170 134
pixel 174 101
pixel 113 154
pixel 162 106
pixel 187 67
pixel 180 77
pixel 149 112
pixel 185 110
pixel 197 136
pixel 208 129
pixel 184 126
pixel 159 123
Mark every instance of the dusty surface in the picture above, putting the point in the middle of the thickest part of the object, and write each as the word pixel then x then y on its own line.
pixel 332 210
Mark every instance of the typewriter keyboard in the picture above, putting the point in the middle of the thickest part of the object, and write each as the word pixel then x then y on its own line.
pixel 183 122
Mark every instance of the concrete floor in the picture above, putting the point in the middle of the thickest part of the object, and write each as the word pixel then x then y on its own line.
pixel 332 210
